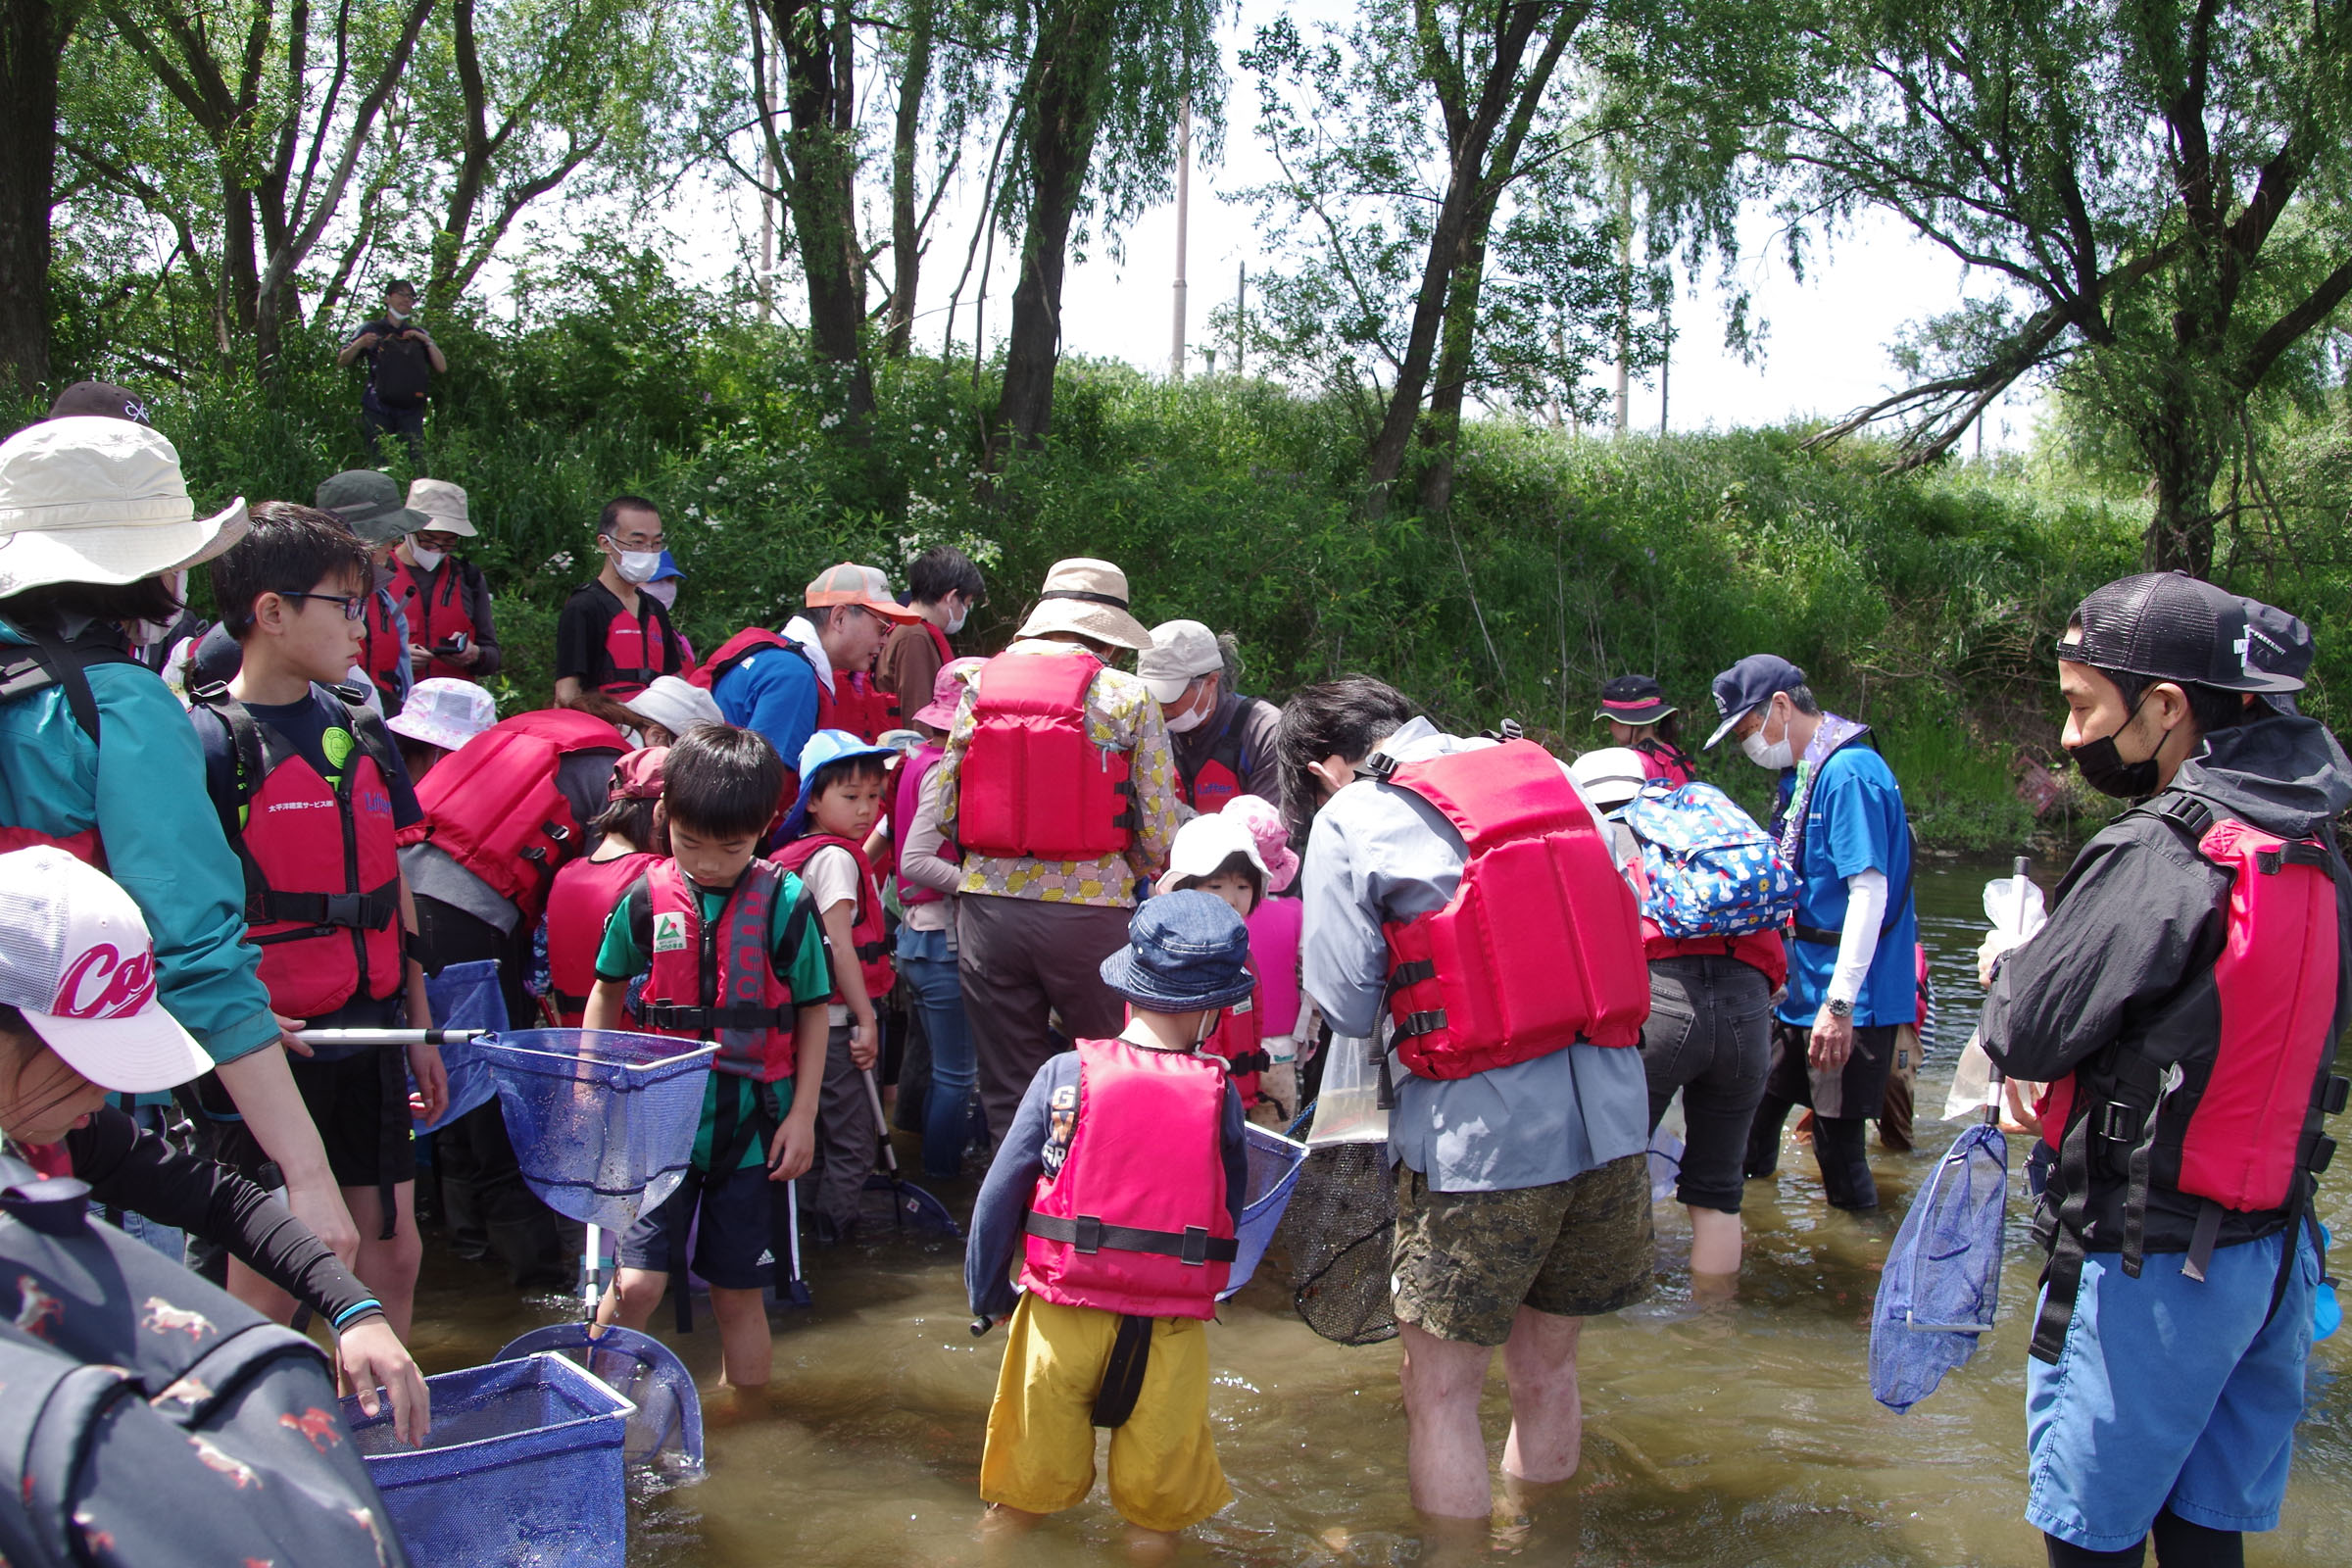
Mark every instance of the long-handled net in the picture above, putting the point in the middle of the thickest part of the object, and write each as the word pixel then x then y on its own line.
pixel 1339 1233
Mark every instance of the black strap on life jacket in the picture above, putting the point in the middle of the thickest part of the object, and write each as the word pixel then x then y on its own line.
pixel 54 660
pixel 1089 1234
pixel 704 1021
pixel 650 611
pixel 1123 1373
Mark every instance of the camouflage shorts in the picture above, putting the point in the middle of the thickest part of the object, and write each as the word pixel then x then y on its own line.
pixel 1466 1263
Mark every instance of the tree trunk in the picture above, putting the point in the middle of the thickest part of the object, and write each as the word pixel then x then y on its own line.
pixel 2184 461
pixel 32 39
pixel 1445 394
pixel 820 180
pixel 1063 91
pixel 905 237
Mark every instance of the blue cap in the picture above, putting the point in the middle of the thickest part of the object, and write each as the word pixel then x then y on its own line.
pixel 1748 686
pixel 1186 953
pixel 667 569
pixel 823 749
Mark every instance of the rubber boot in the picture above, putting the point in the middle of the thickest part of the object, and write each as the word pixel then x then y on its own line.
pixel 1839 1143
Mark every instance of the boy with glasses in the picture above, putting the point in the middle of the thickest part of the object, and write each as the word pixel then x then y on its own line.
pixel 311 793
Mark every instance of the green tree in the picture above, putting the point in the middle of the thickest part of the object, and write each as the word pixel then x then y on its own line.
pixel 2162 185
pixel 33 42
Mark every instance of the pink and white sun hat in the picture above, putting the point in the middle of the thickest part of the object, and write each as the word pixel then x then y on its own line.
pixel 1273 839
pixel 76 961
pixel 443 712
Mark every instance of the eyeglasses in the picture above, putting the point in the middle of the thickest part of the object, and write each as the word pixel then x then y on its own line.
pixel 354 605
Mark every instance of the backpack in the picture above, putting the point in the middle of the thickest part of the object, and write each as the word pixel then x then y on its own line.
pixel 151 1417
pixel 1712 870
pixel 403 373
pixel 494 806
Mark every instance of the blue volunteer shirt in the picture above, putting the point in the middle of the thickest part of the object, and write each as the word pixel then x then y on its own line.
pixel 774 691
pixel 1855 822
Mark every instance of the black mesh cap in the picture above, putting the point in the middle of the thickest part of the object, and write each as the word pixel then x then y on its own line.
pixel 2168 625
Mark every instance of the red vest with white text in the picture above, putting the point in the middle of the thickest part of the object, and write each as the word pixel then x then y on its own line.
pixel 867 929
pixel 434 618
pixel 493 805
pixel 582 898
pixel 640 648
pixel 321 875
pixel 1541 945
pixel 1239 1037
pixel 743 1005
pixel 1135 1219
pixel 1034 784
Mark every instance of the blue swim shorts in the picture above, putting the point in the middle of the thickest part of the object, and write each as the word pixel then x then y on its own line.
pixel 2170 1394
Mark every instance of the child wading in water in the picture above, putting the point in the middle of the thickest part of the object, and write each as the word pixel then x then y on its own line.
pixel 689 922
pixel 1121 1178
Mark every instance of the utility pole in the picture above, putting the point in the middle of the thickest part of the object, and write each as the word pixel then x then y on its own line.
pixel 1184 193
pixel 1240 319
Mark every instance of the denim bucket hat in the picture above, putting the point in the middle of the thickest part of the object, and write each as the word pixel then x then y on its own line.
pixel 1186 953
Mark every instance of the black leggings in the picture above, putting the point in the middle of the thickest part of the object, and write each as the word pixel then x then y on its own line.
pixel 2179 1545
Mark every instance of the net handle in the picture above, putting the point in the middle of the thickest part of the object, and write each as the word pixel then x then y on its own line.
pixel 2023 868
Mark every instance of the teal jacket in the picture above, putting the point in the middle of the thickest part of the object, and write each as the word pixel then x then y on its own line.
pixel 144 791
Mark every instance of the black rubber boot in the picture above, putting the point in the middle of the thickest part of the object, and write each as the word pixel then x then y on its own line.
pixel 1841 1143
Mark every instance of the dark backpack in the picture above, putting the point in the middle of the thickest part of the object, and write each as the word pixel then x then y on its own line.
pixel 151 1417
pixel 404 372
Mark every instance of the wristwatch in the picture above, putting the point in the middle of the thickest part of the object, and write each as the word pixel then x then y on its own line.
pixel 1839 1007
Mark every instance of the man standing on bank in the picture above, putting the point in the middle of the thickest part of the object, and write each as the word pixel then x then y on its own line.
pixel 2182 1005
pixel 402 361
pixel 1851 977
pixel 1515 978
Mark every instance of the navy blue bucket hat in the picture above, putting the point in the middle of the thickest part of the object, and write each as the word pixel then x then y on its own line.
pixel 1186 953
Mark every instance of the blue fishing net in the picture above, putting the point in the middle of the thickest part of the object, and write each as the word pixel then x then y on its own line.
pixel 665 1430
pixel 603 1121
pixel 523 1466
pixel 1274 1163
pixel 464 996
pixel 1943 1276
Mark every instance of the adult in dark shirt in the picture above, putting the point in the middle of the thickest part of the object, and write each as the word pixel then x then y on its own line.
pixel 79 1022
pixel 611 640
pixel 402 359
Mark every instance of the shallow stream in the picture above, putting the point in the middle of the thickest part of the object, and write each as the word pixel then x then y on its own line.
pixel 1725 1433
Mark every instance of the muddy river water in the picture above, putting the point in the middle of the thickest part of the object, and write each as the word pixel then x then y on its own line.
pixel 1732 1433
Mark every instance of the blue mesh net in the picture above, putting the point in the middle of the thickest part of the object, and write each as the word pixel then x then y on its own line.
pixel 464 996
pixel 1274 1163
pixel 523 1466
pixel 665 1430
pixel 1943 1276
pixel 603 1121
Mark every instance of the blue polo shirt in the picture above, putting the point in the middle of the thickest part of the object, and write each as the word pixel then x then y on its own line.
pixel 774 692
pixel 1855 822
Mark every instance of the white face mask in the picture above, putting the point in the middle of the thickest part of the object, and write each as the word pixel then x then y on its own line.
pixel 1184 723
pixel 963 612
pixel 427 560
pixel 666 591
pixel 636 566
pixel 1775 756
pixel 398 317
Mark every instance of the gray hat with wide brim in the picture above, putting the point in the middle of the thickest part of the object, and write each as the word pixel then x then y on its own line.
pixel 368 502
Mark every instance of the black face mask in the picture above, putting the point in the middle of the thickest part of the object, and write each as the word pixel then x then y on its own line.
pixel 2105 770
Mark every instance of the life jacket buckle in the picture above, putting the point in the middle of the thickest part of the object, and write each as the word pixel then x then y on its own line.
pixel 1087 1233
pixel 2322 1154
pixel 2334 1094
pixel 2117 1122
pixel 1196 1246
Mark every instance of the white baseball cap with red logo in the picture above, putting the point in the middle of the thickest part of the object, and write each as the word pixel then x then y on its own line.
pixel 76 961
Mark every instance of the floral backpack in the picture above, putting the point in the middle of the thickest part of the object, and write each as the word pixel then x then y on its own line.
pixel 1712 871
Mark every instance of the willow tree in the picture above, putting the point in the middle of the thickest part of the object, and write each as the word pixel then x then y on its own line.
pixel 2164 188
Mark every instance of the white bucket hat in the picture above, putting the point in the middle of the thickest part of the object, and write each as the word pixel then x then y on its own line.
pixel 1208 842
pixel 676 704
pixel 1611 776
pixel 443 712
pixel 1090 598
pixel 444 504
pixel 100 500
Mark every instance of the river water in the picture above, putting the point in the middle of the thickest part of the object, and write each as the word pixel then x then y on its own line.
pixel 1735 1433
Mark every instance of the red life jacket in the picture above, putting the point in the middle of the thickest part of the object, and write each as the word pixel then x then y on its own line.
pixel 63 665
pixel 1239 1038
pixel 1765 950
pixel 716 980
pixel 903 802
pixel 735 650
pixel 639 648
pixel 321 876
pixel 1135 1219
pixel 946 654
pixel 433 620
pixel 1541 945
pixel 853 702
pixel 1034 785
pixel 493 805
pixel 383 652
pixel 582 898
pixel 1668 763
pixel 1223 771
pixel 867 929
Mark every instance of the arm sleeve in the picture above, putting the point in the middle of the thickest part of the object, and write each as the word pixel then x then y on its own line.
pixel 951 762
pixel 619 956
pixel 132 1169
pixel 577 635
pixel 1237 1154
pixel 1341 955
pixel 783 705
pixel 164 845
pixel 1004 1197
pixel 1155 803
pixel 485 623
pixel 803 956
pixel 922 860
pixel 1261 732
pixel 2131 922
pixel 1858 940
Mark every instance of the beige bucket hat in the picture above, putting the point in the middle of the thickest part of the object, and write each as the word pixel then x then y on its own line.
pixel 1090 598
pixel 444 503
pixel 95 500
